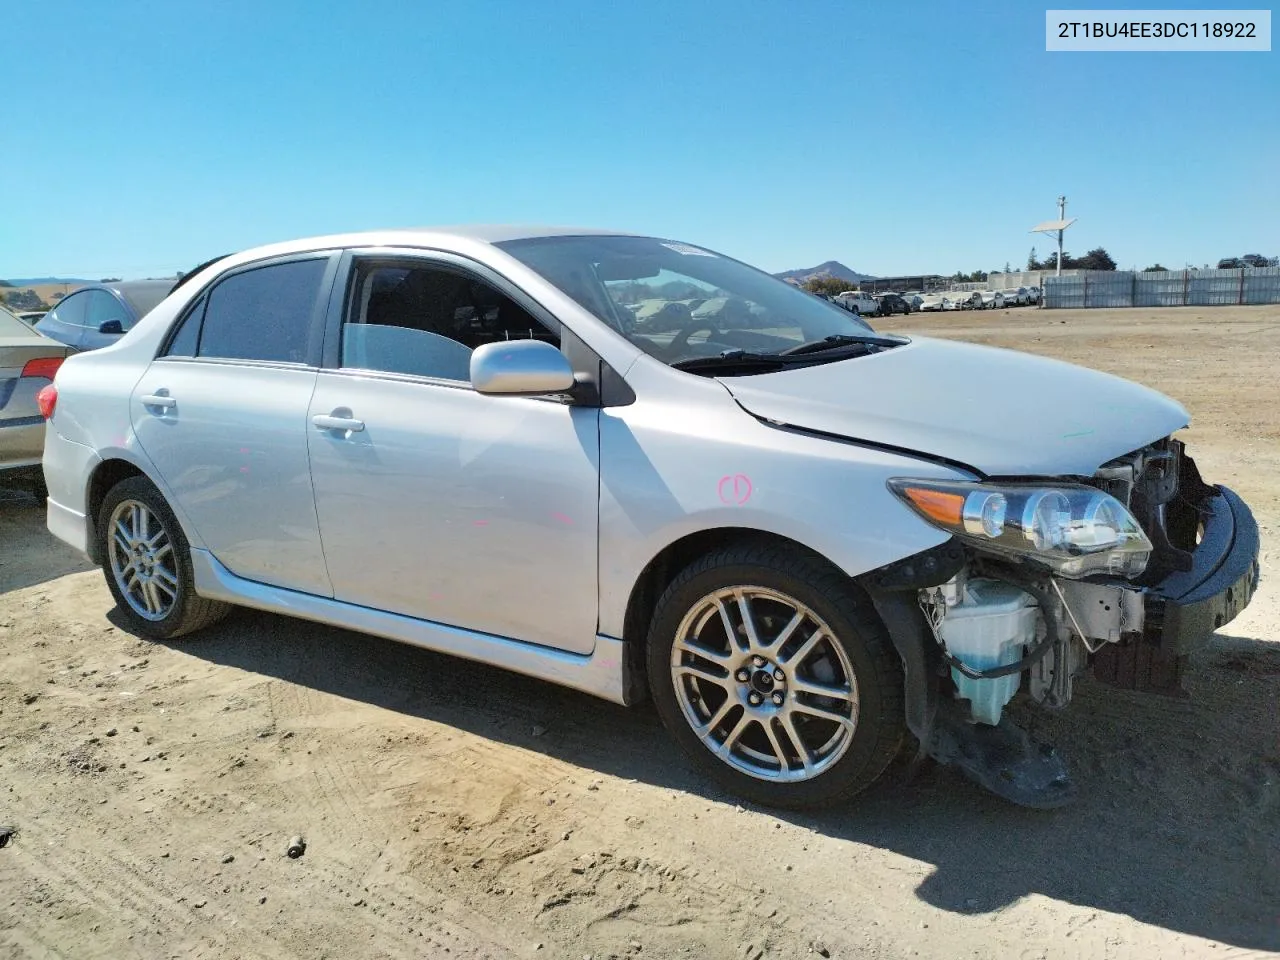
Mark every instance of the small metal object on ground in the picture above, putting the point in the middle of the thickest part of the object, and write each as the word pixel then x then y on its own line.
pixel 6 833
pixel 297 847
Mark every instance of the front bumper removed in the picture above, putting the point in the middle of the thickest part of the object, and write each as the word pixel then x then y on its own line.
pixel 1184 609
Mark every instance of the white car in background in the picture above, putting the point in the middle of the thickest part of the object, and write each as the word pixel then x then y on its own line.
pixel 1014 296
pixel 1033 295
pixel 991 299
pixel 862 303
pixel 965 300
pixel 934 302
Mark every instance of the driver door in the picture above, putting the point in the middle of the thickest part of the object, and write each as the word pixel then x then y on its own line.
pixel 437 502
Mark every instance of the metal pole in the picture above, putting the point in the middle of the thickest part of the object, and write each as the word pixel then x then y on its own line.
pixel 1062 215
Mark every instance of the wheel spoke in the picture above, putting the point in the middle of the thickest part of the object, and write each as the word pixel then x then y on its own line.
pixel 821 690
pixel 717 718
pixel 120 541
pixel 797 743
pixel 699 672
pixel 825 714
pixel 705 653
pixel 150 596
pixel 730 631
pixel 748 621
pixel 166 581
pixel 143 522
pixel 784 635
pixel 776 745
pixel 744 721
pixel 806 648
pixel 161 552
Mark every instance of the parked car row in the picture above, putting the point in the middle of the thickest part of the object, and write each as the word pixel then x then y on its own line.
pixel 878 304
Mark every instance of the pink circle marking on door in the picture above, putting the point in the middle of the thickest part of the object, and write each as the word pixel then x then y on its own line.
pixel 734 489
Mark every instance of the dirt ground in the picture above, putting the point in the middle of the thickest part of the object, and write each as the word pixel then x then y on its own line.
pixel 451 809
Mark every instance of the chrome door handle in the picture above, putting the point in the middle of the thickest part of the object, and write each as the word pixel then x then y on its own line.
pixel 326 422
pixel 164 403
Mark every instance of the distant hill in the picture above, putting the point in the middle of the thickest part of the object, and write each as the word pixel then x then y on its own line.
pixel 832 268
pixel 39 281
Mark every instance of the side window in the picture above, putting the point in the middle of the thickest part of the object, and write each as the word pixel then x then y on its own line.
pixel 184 342
pixel 101 307
pixel 70 311
pixel 425 321
pixel 268 313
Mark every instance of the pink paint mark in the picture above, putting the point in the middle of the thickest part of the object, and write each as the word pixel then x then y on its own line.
pixel 557 515
pixel 735 489
pixel 479 523
pixel 244 469
pixel 244 449
pixel 435 596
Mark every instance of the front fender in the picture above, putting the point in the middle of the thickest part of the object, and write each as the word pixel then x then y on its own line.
pixel 669 473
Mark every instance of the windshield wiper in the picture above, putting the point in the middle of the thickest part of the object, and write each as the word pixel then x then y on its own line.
pixel 731 358
pixel 838 340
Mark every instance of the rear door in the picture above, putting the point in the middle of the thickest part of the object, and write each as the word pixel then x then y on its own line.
pixel 222 413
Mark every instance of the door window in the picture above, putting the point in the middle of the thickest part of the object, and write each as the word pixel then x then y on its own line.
pixel 425 320
pixel 70 311
pixel 267 313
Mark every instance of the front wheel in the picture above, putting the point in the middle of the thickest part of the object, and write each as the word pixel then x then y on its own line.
pixel 147 562
pixel 775 677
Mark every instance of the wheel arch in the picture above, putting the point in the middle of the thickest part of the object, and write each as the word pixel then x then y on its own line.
pixel 658 573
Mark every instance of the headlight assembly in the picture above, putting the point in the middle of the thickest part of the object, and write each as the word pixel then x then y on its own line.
pixel 1076 531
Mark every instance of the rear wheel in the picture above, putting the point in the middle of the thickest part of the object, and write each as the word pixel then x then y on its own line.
pixel 775 677
pixel 147 563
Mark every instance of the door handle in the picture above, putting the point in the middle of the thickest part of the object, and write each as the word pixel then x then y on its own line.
pixel 164 403
pixel 326 422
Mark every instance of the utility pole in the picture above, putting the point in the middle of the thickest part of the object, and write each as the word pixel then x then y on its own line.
pixel 1062 216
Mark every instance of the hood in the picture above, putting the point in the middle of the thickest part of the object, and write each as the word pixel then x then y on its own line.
pixel 1001 412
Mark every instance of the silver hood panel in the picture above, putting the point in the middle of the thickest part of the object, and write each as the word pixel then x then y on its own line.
pixel 1001 412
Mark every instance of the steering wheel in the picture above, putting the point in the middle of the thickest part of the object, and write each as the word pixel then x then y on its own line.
pixel 680 342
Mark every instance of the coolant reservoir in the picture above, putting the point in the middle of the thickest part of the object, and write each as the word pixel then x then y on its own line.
pixel 989 628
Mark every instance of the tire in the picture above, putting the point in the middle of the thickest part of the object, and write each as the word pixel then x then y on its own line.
pixel 161 601
pixel 840 646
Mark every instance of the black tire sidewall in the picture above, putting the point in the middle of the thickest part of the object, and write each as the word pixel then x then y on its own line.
pixel 145 492
pixel 876 668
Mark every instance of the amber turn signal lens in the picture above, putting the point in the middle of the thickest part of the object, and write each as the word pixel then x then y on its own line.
pixel 943 508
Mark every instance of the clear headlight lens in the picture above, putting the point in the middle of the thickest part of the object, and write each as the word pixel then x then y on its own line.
pixel 1076 531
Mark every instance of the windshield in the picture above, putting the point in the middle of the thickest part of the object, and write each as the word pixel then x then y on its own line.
pixel 678 302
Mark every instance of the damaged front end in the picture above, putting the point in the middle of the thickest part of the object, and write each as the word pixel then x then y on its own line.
pixel 1121 574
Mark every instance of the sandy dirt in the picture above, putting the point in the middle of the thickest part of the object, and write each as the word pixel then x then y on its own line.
pixel 453 810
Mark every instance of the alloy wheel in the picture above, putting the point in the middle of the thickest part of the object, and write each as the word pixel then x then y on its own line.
pixel 142 560
pixel 764 684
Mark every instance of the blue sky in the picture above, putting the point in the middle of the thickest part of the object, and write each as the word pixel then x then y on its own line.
pixel 144 137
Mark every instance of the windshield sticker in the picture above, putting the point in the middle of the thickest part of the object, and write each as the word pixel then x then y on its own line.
pixel 687 250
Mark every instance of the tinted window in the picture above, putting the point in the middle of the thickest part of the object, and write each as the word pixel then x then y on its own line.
pixel 406 318
pixel 263 314
pixel 185 340
pixel 102 307
pixel 70 310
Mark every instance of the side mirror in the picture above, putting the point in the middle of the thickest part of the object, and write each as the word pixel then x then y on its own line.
pixel 110 326
pixel 520 368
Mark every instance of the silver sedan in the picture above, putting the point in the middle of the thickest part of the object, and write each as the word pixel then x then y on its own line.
pixel 638 467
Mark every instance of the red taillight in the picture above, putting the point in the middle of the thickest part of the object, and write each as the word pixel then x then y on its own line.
pixel 46 400
pixel 45 367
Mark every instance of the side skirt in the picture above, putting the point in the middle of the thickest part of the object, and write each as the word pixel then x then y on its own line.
pixel 600 673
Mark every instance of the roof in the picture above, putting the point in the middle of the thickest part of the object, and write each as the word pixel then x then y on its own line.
pixel 142 295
